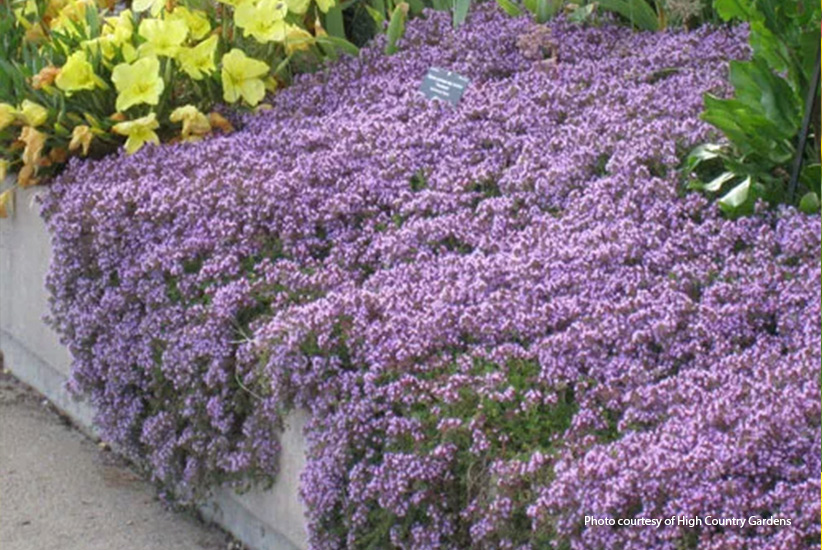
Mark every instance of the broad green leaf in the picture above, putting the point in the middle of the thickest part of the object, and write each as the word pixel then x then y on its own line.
pixel 716 184
pixel 509 7
pixel 638 12
pixel 750 132
pixel 766 93
pixel 334 24
pixel 809 203
pixel 729 9
pixel 702 153
pixel 582 13
pixel 768 47
pixel 460 11
pixel 811 177
pixel 736 197
pixel 417 6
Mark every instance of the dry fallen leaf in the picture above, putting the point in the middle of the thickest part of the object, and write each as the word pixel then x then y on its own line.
pixel 5 202
pixel 219 121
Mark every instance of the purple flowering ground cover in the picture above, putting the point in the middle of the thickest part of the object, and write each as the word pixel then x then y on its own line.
pixel 502 316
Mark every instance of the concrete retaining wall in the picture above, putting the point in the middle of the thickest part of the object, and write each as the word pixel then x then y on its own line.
pixel 263 520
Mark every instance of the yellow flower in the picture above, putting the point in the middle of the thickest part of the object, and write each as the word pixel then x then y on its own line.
pixel 297 6
pixel 163 37
pixel 77 74
pixel 241 77
pixel 4 169
pixel 7 115
pixel 138 82
pixel 156 6
pixel 297 39
pixel 102 45
pixel 233 3
pixel 264 19
pixel 198 61
pixel 326 5
pixel 139 132
pixel 119 29
pixel 33 114
pixel 197 22
pixel 195 123
pixel 81 137
pixel 72 17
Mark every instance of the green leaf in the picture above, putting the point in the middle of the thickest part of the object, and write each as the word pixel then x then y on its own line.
pixel 460 11
pixel 334 22
pixel 809 204
pixel 716 184
pixel 638 12
pixel 750 132
pixel 811 177
pixel 708 151
pixel 509 7
pixel 769 48
pixel 546 9
pixel 396 27
pixel 340 43
pixel 767 94
pixel 417 6
pixel 582 13
pixel 729 9
pixel 375 14
pixel 736 197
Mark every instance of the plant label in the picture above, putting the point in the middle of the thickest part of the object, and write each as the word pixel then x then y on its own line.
pixel 445 85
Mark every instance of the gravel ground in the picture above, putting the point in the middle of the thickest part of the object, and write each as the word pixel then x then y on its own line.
pixel 61 491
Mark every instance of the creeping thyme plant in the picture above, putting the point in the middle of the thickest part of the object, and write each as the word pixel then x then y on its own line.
pixel 500 316
pixel 78 78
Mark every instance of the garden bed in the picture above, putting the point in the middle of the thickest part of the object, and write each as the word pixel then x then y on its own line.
pixel 501 317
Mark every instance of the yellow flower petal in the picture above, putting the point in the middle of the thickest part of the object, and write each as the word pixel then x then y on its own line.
pixel 297 39
pixel 326 5
pixel 119 29
pixel 76 74
pixel 137 83
pixel 264 19
pixel 155 6
pixel 241 78
pixel 33 114
pixel 197 22
pixel 139 131
pixel 163 36
pixel 298 6
pixel 198 61
pixel 7 115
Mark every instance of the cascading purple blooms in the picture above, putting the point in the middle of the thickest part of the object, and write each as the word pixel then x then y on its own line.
pixel 502 316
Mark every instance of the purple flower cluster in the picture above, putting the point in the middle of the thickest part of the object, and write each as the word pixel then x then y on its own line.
pixel 502 317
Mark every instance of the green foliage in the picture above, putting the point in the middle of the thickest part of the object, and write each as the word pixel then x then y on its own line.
pixel 638 12
pixel 763 119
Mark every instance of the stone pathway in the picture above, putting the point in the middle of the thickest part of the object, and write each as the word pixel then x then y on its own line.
pixel 60 491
